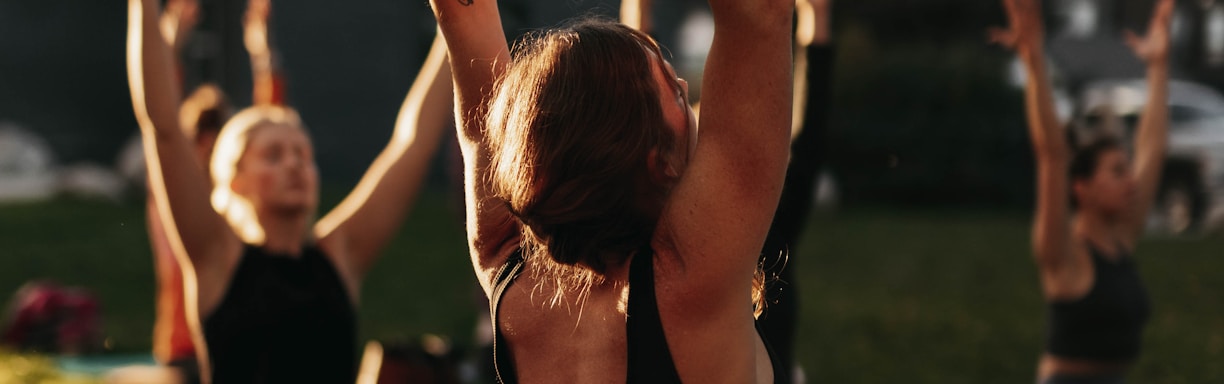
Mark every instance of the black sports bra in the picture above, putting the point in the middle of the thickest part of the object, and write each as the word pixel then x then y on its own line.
pixel 283 320
pixel 650 360
pixel 1107 323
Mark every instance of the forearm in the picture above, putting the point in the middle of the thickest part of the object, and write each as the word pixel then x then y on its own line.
pixel 1049 140
pixel 155 93
pixel 1150 146
pixel 263 80
pixel 636 14
pixel 1153 126
pixel 753 16
pixel 747 89
pixel 177 181
pixel 478 54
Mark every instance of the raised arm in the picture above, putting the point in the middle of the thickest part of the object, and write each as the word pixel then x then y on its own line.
pixel 743 141
pixel 177 180
pixel 265 73
pixel 479 56
pixel 1152 137
pixel 369 217
pixel 1051 226
pixel 717 217
pixel 177 21
pixel 637 15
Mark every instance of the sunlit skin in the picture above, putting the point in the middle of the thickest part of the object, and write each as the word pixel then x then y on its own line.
pixel 721 192
pixel 277 172
pixel 274 175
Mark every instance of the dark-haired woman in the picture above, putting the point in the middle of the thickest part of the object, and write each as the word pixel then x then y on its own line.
pixel 613 243
pixel 274 292
pixel 1097 305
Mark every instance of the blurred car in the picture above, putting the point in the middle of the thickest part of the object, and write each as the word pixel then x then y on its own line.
pixel 1191 192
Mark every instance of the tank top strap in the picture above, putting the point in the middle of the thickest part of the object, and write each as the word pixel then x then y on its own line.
pixel 650 359
pixel 503 367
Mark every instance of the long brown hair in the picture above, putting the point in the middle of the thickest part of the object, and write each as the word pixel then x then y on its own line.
pixel 572 125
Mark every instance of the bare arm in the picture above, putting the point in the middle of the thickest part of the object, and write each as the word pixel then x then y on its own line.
pixel 179 185
pixel 177 21
pixel 200 239
pixel 637 14
pixel 1051 227
pixel 265 73
pixel 1152 137
pixel 716 220
pixel 479 56
pixel 369 217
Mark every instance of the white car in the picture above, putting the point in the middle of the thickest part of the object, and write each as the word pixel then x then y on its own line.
pixel 1191 194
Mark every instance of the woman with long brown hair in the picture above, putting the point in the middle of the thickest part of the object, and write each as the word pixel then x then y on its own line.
pixel 271 293
pixel 612 242
pixel 1097 305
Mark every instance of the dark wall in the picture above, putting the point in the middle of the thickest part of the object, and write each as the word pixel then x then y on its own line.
pixel 348 64
pixel 922 114
pixel 62 74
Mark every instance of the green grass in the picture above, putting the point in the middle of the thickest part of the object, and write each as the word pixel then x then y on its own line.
pixel 887 296
pixel 933 297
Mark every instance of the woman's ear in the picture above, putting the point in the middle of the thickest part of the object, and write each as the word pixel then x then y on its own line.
pixel 237 185
pixel 661 171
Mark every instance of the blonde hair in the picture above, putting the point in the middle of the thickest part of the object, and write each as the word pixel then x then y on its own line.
pixel 230 146
pixel 205 110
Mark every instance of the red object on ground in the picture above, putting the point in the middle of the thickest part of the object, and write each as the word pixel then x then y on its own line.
pixel 45 317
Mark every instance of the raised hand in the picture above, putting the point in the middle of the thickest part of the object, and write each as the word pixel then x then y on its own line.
pixel 1154 48
pixel 1027 33
pixel 255 27
pixel 177 21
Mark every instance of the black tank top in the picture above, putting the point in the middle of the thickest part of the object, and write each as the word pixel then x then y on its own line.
pixel 1107 323
pixel 649 359
pixel 283 320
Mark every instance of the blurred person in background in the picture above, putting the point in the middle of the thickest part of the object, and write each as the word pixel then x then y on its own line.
pixel 201 116
pixel 1092 202
pixel 635 246
pixel 813 86
pixel 275 297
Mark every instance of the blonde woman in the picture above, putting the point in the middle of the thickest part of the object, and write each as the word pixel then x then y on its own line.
pixel 274 292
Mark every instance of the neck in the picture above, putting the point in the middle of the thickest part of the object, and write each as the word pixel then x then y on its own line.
pixel 1095 228
pixel 284 233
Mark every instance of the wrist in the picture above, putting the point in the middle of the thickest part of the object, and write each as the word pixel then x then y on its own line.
pixel 1158 66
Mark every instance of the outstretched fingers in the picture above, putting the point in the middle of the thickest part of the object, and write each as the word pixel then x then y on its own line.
pixel 1024 32
pixel 1155 45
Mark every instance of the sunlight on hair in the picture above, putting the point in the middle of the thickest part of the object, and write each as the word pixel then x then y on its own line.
pixel 231 144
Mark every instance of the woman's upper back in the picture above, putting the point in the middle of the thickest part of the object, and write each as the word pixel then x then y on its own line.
pixel 617 334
